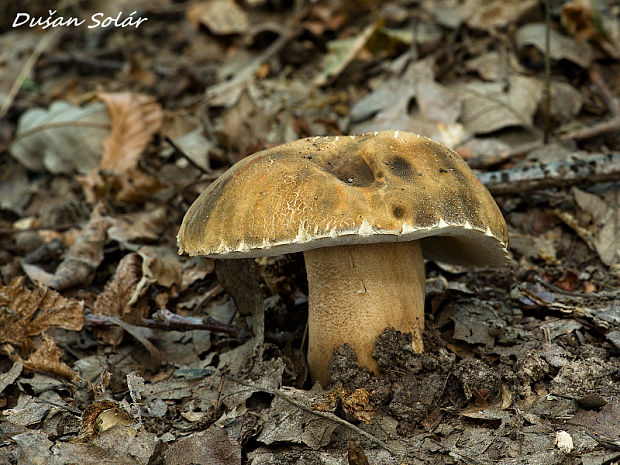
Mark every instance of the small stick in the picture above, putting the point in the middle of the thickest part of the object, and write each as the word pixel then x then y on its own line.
pixel 593 295
pixel 45 41
pixel 599 129
pixel 608 96
pixel 547 73
pixel 327 415
pixel 166 320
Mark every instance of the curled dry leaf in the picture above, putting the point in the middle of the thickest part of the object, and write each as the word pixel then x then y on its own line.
pixel 25 313
pixel 121 297
pixel 162 264
pixel 135 118
pixel 47 358
pixel 90 424
pixel 85 255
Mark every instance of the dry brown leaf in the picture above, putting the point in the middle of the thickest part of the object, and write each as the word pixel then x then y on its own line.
pixel 493 14
pixel 135 186
pixel 131 186
pixel 25 313
pixel 245 125
pixel 354 403
pixel 47 359
pixel 162 264
pixel 195 270
pixel 121 297
pixel 135 118
pixel 220 16
pixel 211 446
pixel 145 224
pixel 85 255
pixel 578 20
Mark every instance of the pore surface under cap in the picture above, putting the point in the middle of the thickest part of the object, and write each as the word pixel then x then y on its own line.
pixel 328 191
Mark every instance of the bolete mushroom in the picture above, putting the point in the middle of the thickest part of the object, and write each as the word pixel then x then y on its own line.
pixel 363 210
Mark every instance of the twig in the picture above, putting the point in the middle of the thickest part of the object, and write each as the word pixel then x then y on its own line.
pixel 327 415
pixel 566 173
pixel 166 320
pixel 23 74
pixel 608 96
pixel 598 129
pixel 592 295
pixel 547 72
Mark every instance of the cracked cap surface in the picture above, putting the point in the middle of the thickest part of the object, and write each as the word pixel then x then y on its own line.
pixel 327 191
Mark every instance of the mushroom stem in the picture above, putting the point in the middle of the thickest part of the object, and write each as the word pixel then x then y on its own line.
pixel 355 292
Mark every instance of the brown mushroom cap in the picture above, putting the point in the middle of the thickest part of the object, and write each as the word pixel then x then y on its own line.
pixel 327 191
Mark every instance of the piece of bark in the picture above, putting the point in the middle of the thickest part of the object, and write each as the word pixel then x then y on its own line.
pixel 571 172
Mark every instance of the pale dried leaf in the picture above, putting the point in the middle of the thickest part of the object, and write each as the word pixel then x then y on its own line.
pixel 47 358
pixel 135 118
pixel 220 16
pixel 25 313
pixel 341 53
pixel 146 224
pixel 15 190
pixel 560 46
pixel 211 447
pixel 63 139
pixel 490 15
pixel 162 264
pixel 488 107
pixel 436 113
pixel 285 422
pixel 490 66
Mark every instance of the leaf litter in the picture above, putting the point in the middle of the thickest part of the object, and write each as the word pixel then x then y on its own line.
pixel 521 365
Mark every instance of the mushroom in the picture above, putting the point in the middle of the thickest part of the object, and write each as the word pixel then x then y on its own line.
pixel 364 210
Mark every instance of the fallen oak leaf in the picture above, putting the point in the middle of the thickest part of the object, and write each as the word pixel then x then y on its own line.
pixel 25 313
pixel 47 359
pixel 121 297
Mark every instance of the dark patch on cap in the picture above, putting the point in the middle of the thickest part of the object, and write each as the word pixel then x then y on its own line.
pixel 355 172
pixel 400 167
pixel 398 211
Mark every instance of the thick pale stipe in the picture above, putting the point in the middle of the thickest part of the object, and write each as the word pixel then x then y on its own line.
pixel 357 291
